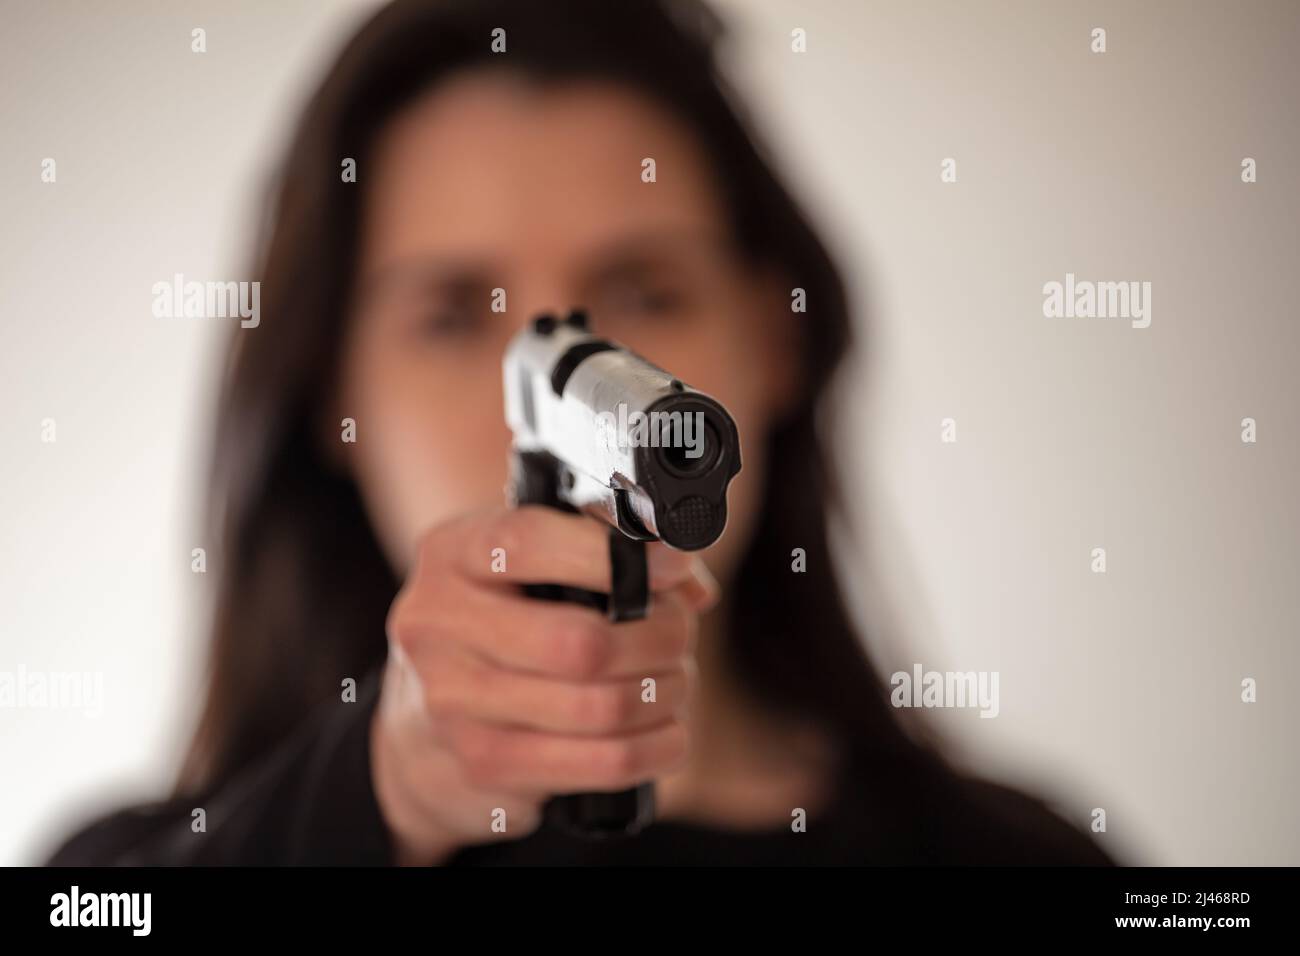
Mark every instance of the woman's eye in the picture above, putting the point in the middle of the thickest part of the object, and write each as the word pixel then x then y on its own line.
pixel 449 323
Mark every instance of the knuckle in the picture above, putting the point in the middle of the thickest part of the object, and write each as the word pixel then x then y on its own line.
pixel 438 700
pixel 506 529
pixel 414 619
pixel 429 547
pixel 619 760
pixel 602 708
pixel 481 774
pixel 399 625
pixel 580 648
pixel 476 752
pixel 478 678
pixel 450 682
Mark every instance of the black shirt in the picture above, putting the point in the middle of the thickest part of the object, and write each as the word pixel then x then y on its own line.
pixel 310 801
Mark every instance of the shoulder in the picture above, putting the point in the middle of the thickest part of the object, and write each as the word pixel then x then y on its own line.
pixel 912 807
pixel 963 819
pixel 308 798
pixel 110 838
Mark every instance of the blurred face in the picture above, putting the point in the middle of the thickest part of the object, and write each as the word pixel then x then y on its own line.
pixel 488 183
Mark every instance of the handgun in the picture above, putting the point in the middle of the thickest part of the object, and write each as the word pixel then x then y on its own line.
pixel 599 430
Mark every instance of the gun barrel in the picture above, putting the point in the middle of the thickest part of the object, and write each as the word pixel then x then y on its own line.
pixel 631 443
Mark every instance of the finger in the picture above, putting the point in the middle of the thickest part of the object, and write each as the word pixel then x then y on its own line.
pixel 564 640
pixel 424 791
pixel 465 685
pixel 701 590
pixel 510 758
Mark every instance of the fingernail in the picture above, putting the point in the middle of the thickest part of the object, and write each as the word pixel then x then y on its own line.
pixel 668 566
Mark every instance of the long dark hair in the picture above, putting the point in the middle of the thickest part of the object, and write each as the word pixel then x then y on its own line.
pixel 303 587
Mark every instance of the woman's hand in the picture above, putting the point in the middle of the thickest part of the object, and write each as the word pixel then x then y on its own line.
pixel 492 702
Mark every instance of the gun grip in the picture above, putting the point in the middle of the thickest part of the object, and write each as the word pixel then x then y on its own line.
pixel 592 815
pixel 625 812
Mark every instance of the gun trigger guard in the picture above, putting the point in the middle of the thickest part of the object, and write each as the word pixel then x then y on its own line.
pixel 629 596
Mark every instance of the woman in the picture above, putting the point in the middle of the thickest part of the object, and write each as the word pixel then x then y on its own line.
pixel 482 168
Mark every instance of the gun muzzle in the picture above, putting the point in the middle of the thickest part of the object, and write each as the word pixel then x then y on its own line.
pixel 631 443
